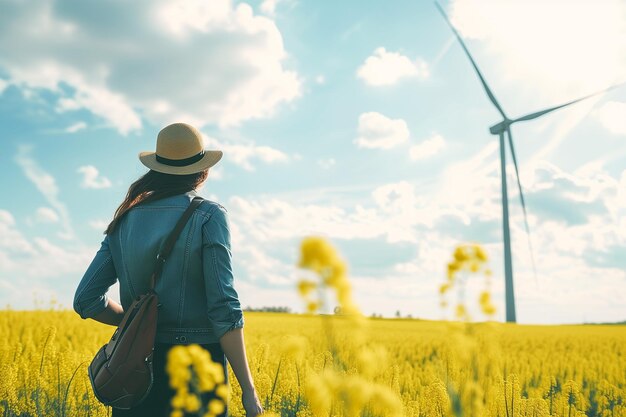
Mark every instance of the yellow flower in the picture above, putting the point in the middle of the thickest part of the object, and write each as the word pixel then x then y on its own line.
pixel 182 361
pixel 471 258
pixel 453 267
pixel 460 255
pixel 178 401
pixel 216 406
pixel 312 306
pixel 179 355
pixel 315 252
pixel 480 253
pixel 206 384
pixel 485 303
pixel 306 286
pixel 461 311
pixel 222 392
pixel 192 403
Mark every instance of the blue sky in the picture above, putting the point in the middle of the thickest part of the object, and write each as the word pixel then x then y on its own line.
pixel 359 121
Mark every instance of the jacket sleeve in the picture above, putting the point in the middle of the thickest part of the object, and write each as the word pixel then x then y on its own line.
pixel 223 307
pixel 90 298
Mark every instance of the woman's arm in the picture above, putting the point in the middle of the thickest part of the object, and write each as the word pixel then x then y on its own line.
pixel 112 314
pixel 224 309
pixel 91 299
pixel 235 351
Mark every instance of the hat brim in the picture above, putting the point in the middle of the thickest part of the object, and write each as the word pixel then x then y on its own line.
pixel 209 159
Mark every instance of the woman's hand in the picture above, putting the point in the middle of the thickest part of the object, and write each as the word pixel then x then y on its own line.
pixel 233 346
pixel 251 403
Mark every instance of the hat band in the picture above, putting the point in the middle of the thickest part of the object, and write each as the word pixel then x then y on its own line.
pixel 180 162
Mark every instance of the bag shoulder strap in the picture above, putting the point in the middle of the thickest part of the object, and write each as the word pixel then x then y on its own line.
pixel 171 239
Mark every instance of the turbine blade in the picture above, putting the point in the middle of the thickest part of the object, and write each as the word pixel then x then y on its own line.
pixel 482 80
pixel 542 112
pixel 521 195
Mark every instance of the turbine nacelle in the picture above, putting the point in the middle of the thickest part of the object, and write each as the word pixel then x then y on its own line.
pixel 501 127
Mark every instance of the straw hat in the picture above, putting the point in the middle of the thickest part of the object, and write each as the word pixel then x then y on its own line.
pixel 180 151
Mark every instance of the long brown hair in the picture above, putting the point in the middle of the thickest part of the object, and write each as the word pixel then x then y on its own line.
pixel 154 185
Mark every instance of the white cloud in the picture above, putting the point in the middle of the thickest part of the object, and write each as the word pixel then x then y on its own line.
pixel 6 218
pixel 204 62
pixel 3 85
pixel 269 7
pixel 263 268
pixel 280 219
pixel 216 172
pixel 320 79
pixel 99 224
pixel 395 210
pixel 47 186
pixel 11 239
pixel 399 202
pixel 92 178
pixel 387 68
pixel 326 163
pixel 522 67
pixel 465 180
pixel 377 131
pixel 76 127
pixel 551 64
pixel 13 242
pixel 584 255
pixel 46 215
pixel 612 115
pixel 112 106
pixel 243 153
pixel 464 206
pixel 28 264
pixel 427 148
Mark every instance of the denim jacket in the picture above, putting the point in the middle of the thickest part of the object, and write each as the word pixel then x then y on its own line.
pixel 198 300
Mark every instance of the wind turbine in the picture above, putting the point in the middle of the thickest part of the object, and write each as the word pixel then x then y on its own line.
pixel 499 129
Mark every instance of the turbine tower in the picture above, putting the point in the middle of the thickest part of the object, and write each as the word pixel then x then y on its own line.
pixel 499 129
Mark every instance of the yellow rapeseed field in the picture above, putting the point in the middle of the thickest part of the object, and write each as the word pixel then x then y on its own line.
pixel 531 370
pixel 343 364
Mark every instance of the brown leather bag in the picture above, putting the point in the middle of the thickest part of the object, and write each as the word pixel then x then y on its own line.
pixel 121 372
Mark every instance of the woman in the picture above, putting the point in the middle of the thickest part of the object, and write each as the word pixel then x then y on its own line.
pixel 198 301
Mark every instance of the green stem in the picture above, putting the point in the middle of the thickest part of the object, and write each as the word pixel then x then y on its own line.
pixel 298 399
pixel 506 405
pixel 275 379
pixel 58 388
pixel 67 390
pixel 569 414
pixel 512 398
pixel 88 403
pixel 44 351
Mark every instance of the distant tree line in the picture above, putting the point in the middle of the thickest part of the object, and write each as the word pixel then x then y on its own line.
pixel 397 315
pixel 336 310
pixel 272 309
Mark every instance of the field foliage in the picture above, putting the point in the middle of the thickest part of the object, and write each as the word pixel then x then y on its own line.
pixel 395 367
